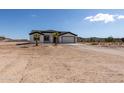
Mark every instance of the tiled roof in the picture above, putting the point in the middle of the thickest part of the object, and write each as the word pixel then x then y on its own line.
pixel 49 31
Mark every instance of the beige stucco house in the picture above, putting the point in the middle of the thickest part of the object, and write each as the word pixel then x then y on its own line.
pixel 46 36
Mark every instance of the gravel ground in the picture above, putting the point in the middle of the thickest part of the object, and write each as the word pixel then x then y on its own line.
pixel 62 63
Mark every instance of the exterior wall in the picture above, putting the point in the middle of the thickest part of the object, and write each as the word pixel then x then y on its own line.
pixel 51 38
pixel 32 39
pixel 60 39
pixel 68 35
pixel 75 39
pixel 41 39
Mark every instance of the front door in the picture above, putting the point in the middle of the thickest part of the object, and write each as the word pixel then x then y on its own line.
pixel 54 39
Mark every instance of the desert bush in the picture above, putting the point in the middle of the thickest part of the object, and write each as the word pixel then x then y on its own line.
pixel 94 43
pixel 109 39
pixel 2 37
pixel 92 39
pixel 24 46
pixel 122 39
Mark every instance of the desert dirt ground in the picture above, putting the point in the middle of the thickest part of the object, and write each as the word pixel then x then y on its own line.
pixel 62 63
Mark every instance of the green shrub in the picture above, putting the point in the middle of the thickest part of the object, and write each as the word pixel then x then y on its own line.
pixel 2 38
pixel 109 39
pixel 94 43
pixel 92 39
pixel 122 39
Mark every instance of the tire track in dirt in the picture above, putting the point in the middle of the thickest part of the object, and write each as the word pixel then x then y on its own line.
pixel 30 57
pixel 12 71
pixel 33 54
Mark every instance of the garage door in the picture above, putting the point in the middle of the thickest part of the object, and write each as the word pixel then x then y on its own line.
pixel 68 39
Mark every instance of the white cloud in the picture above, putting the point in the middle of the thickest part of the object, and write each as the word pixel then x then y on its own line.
pixel 120 17
pixel 34 15
pixel 106 18
pixel 89 17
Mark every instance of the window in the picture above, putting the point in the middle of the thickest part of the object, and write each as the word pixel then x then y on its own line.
pixel 46 38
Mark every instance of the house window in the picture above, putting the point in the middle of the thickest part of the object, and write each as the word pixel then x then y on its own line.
pixel 46 38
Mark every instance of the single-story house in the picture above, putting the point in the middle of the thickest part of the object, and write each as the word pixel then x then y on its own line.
pixel 46 36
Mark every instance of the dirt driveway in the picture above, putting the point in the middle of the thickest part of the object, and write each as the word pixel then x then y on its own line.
pixel 62 63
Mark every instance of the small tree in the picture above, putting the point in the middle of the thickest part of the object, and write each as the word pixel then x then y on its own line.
pixel 92 39
pixel 36 38
pixel 2 38
pixel 56 36
pixel 109 39
pixel 122 39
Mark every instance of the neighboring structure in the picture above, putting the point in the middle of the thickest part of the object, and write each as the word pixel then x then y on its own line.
pixel 47 36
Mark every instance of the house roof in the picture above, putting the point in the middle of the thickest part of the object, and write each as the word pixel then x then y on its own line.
pixel 33 32
pixel 50 31
pixel 67 33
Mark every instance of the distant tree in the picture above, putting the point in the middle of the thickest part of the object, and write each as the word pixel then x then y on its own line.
pixel 36 38
pixel 2 38
pixel 56 36
pixel 122 39
pixel 92 39
pixel 109 39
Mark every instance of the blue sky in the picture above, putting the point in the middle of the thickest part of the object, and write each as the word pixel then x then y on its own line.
pixel 86 23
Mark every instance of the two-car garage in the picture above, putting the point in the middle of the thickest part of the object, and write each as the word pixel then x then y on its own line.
pixel 68 38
